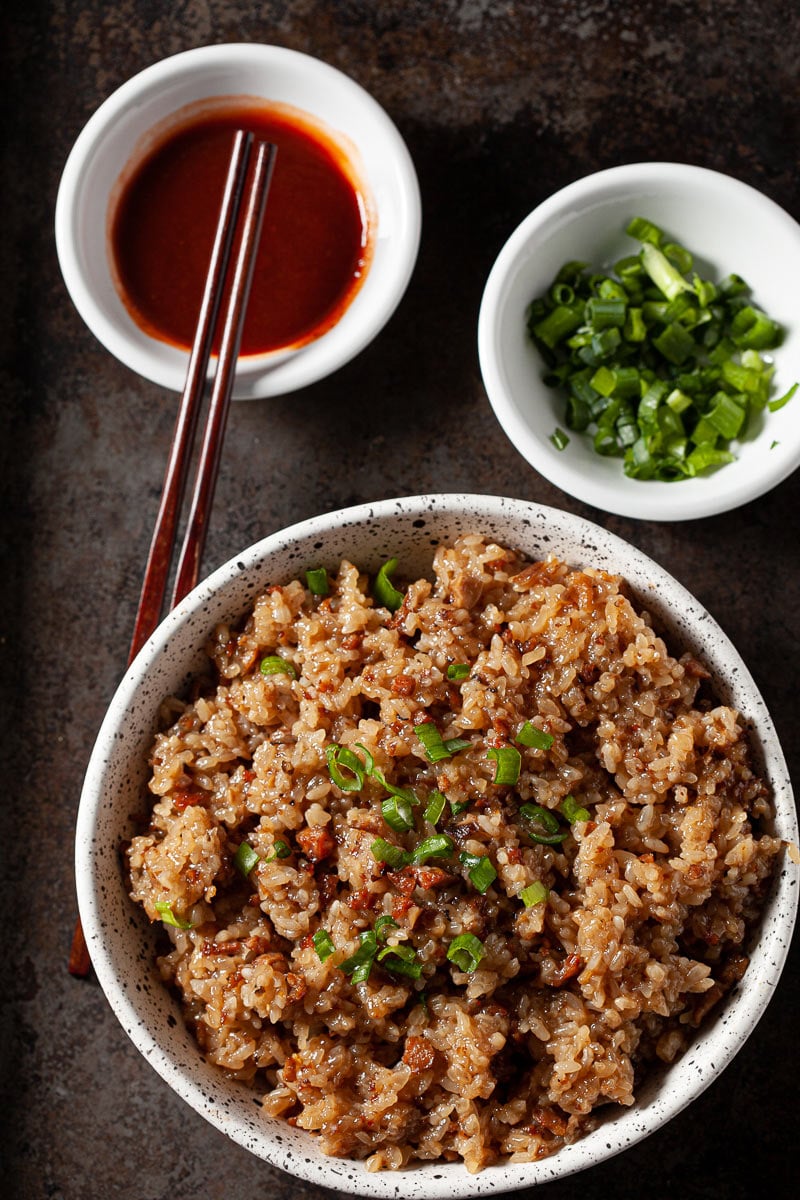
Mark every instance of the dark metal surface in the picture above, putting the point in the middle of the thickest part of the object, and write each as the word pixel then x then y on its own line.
pixel 500 103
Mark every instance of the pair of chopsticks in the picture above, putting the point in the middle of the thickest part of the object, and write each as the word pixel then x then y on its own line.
pixel 154 586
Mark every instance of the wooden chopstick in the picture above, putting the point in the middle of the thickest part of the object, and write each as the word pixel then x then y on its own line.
pixel 159 558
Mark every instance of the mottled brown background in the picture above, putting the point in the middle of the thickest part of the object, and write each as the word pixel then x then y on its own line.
pixel 501 103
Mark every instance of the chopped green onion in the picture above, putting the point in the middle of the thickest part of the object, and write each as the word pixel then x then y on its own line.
pixel 341 759
pixel 573 811
pixel 386 852
pixel 164 909
pixel 541 825
pixel 466 951
pixel 774 405
pixel 435 747
pixel 458 806
pixel 480 870
pixel 359 965
pixel 317 581
pixel 245 859
pixel 458 670
pixel 401 960
pixel 530 735
pixel 656 360
pixel 384 590
pixel 323 944
pixel 397 813
pixel 279 850
pixel 508 760
pixel 383 925
pixel 535 893
pixel 438 845
pixel 435 807
pixel 273 664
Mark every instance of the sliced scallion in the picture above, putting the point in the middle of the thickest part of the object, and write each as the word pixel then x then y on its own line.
pixel 317 581
pixel 642 355
pixel 386 852
pixel 164 910
pixel 345 768
pixel 279 850
pixel 480 870
pixel 435 807
pixel 509 761
pixel 438 845
pixel 359 965
pixel 383 925
pixel 573 811
pixel 397 813
pixel 273 664
pixel 541 825
pixel 245 859
pixel 537 739
pixel 535 893
pixel 323 944
pixel 400 960
pixel 458 670
pixel 437 748
pixel 384 590
pixel 466 951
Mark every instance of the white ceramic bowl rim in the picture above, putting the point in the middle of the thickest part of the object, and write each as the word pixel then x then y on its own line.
pixel 411 526
pixel 586 475
pixel 389 175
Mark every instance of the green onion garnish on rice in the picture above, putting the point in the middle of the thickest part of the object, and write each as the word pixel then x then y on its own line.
pixel 383 925
pixel 541 825
pixel 480 870
pixel 537 739
pixel 466 951
pixel 345 768
pixel 164 910
pixel 359 965
pixel 535 893
pixel 323 944
pixel 386 852
pixel 384 590
pixel 397 813
pixel 509 761
pixel 438 845
pixel 458 671
pixel 317 581
pixel 436 748
pixel 573 811
pixel 435 807
pixel 245 859
pixel 279 850
pixel 400 960
pixel 273 664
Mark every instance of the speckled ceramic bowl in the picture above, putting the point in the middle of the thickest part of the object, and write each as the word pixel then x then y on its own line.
pixel 121 942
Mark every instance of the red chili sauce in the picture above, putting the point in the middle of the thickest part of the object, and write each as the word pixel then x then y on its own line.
pixel 314 247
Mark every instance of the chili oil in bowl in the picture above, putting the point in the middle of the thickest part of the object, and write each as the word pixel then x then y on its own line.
pixel 121 940
pixel 729 228
pixel 140 193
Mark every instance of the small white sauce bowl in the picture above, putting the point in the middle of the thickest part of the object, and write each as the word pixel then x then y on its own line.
pixel 730 228
pixel 120 128
pixel 122 943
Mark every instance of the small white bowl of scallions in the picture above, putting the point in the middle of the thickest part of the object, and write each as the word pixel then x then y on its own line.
pixel 639 342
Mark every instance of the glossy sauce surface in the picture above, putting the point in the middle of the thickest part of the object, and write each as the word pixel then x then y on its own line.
pixel 314 247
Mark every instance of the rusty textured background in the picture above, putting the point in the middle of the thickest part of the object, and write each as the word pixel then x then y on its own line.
pixel 500 103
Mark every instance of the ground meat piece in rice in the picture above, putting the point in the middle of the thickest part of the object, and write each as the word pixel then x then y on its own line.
pixel 402 958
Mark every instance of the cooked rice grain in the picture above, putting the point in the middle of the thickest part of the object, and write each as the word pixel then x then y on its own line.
pixel 649 900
